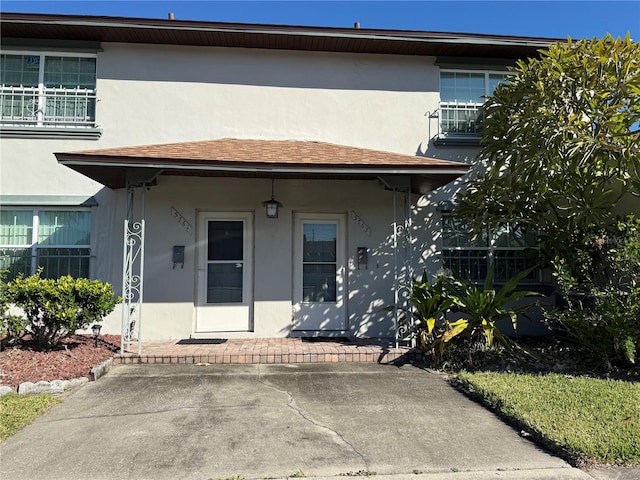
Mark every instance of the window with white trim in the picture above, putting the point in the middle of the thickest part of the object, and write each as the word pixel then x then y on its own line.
pixel 511 248
pixel 462 94
pixel 56 240
pixel 48 90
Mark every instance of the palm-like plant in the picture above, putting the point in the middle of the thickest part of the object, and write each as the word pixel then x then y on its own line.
pixel 483 309
pixel 430 302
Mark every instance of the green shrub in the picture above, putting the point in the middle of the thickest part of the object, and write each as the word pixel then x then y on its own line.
pixel 11 326
pixel 56 308
pixel 600 285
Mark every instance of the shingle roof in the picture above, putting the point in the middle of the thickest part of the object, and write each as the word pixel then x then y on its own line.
pixel 244 157
pixel 249 151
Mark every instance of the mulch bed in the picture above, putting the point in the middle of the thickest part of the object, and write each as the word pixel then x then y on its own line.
pixel 75 359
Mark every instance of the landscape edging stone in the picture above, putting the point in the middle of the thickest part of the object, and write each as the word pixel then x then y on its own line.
pixel 59 386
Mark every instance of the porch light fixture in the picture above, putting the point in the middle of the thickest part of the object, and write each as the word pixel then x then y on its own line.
pixel 96 333
pixel 272 205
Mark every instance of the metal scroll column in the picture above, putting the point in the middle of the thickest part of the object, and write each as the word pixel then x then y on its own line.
pixel 138 183
pixel 403 264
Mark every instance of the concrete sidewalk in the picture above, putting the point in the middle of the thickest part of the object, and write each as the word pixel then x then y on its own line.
pixel 273 421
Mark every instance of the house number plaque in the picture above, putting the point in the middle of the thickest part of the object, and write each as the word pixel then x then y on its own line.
pixel 182 221
pixel 356 218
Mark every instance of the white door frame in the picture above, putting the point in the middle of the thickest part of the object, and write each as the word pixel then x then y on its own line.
pixel 224 317
pixel 320 316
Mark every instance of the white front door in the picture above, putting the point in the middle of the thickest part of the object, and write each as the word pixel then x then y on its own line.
pixel 319 283
pixel 225 272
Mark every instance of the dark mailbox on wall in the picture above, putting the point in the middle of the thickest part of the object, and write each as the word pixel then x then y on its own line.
pixel 178 255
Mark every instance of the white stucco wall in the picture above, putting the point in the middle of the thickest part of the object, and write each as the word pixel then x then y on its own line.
pixel 170 294
pixel 163 94
pixel 196 93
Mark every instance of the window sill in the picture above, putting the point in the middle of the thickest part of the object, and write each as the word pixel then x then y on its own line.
pixel 51 132
pixel 457 142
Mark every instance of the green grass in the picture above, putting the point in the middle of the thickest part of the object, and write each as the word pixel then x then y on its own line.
pixel 17 411
pixel 587 420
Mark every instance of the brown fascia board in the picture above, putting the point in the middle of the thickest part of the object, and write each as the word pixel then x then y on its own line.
pixel 78 159
pixel 111 170
pixel 187 32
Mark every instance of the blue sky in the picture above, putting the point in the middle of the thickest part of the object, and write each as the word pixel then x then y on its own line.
pixel 555 19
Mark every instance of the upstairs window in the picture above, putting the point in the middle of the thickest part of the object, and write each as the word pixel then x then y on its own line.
pixel 47 90
pixel 462 94
pixel 56 240
pixel 511 249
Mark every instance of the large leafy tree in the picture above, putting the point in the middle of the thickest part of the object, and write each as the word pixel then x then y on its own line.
pixel 561 154
pixel 560 140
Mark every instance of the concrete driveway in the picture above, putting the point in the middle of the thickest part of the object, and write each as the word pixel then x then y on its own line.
pixel 272 421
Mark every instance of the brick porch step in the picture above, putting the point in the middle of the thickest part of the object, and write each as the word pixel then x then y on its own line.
pixel 269 350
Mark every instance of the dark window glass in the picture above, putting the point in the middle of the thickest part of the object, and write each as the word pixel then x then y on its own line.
pixel 319 242
pixel 319 283
pixel 224 282
pixel 225 240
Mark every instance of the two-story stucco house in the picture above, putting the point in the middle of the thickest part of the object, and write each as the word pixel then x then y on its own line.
pixel 236 180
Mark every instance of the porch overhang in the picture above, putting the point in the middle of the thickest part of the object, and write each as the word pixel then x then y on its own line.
pixel 260 158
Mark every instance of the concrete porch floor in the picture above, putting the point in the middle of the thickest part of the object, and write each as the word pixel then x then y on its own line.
pixel 270 350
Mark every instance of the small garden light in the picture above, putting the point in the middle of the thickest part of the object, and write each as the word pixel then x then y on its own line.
pixel 96 333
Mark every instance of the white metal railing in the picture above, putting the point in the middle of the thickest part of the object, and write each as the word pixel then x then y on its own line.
pixel 459 119
pixel 473 263
pixel 48 107
pixel 55 260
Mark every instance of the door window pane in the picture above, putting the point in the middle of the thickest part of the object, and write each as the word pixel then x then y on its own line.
pixel 226 240
pixel 319 262
pixel 319 283
pixel 319 242
pixel 224 282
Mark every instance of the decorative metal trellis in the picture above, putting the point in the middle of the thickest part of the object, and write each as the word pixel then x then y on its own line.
pixel 403 263
pixel 133 269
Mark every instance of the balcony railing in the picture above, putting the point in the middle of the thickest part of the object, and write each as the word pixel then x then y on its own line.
pixel 460 119
pixel 49 107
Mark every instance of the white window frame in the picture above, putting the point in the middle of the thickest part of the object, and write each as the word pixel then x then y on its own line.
pixel 41 92
pixel 472 107
pixel 491 248
pixel 35 246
